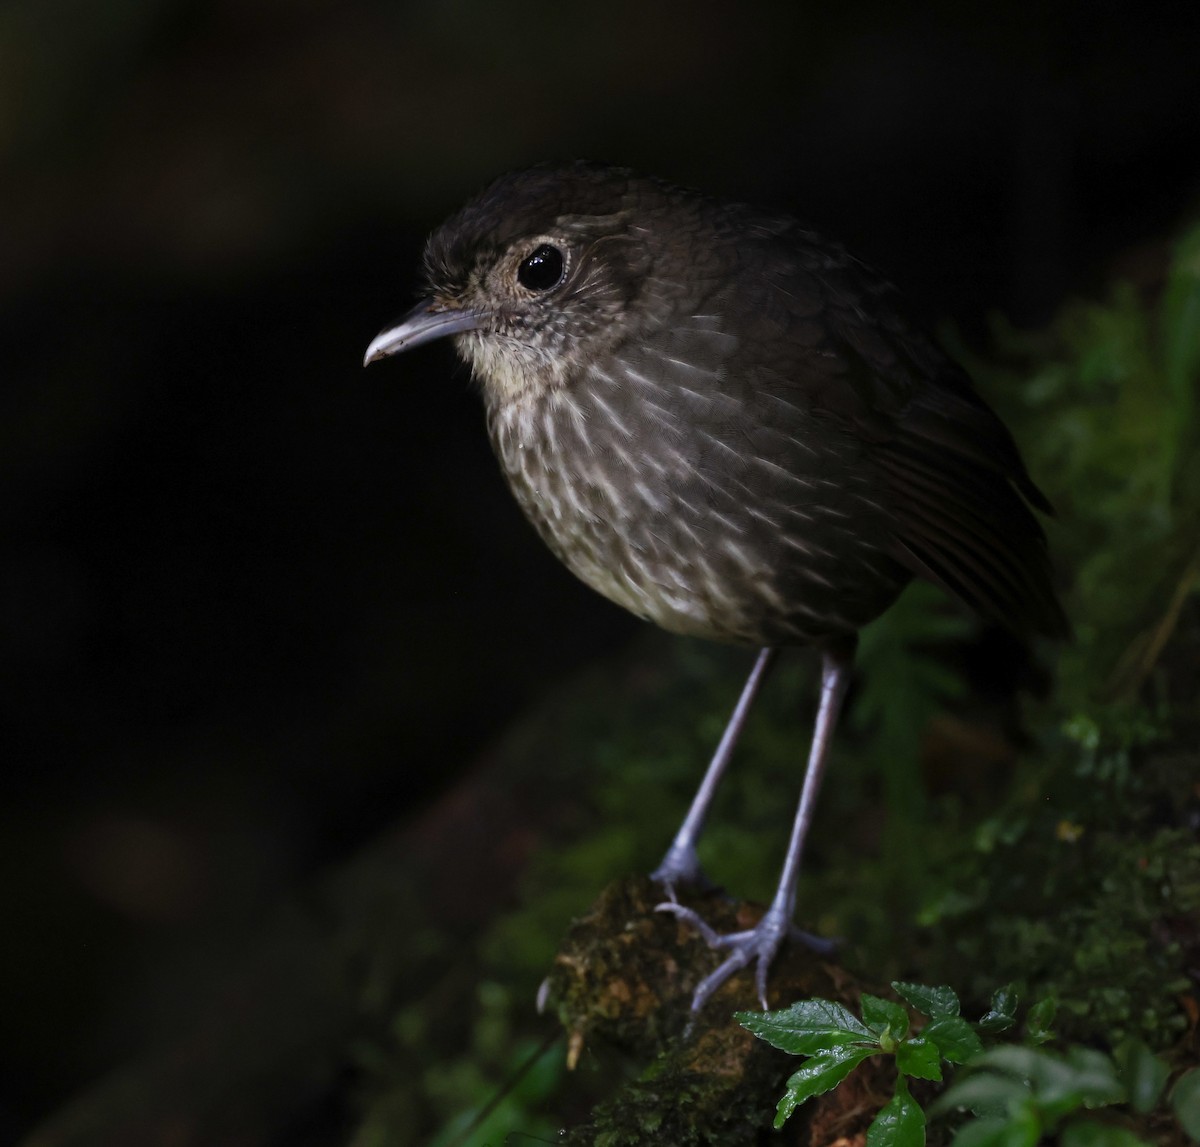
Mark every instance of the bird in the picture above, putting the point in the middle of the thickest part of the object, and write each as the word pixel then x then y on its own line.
pixel 728 425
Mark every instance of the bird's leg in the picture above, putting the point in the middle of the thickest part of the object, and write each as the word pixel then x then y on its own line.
pixel 763 941
pixel 681 865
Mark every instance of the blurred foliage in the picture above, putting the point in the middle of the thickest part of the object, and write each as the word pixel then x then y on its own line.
pixel 1109 402
pixel 1071 874
pixel 1081 880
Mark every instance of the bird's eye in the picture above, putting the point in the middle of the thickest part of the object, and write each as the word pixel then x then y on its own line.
pixel 541 270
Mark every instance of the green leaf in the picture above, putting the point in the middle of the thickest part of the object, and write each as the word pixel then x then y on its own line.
pixel 919 1057
pixel 955 1038
pixel 992 1131
pixel 985 1093
pixel 1013 1059
pixel 823 1072
pixel 1039 1022
pixel 1090 1133
pixel 932 1002
pixel 1185 1102
pixel 1057 1085
pixel 1003 1012
pixel 1095 1077
pixel 1142 1074
pixel 883 1016
pixel 900 1122
pixel 807 1027
pixel 1024 1127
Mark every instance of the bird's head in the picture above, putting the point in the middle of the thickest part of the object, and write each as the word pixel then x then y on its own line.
pixel 545 270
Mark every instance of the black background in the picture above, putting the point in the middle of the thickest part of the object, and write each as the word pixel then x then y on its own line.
pixel 255 603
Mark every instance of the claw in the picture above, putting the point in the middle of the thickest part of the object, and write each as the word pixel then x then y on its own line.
pixel 822 945
pixel 760 943
pixel 690 916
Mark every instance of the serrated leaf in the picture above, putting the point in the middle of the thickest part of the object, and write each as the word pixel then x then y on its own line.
pixel 1005 1000
pixel 1185 1102
pixel 919 1057
pixel 955 1038
pixel 817 1075
pixel 993 1023
pixel 1003 1012
pixel 900 1122
pixel 932 1002
pixel 884 1015
pixel 807 1027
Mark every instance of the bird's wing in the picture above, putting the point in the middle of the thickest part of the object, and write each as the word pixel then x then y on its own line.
pixel 943 465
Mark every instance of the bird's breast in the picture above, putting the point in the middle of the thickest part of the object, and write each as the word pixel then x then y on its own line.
pixel 679 506
pixel 606 501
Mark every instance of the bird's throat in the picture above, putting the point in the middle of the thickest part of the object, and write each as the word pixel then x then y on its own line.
pixel 510 370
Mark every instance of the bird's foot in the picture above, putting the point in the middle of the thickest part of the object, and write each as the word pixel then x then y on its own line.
pixel 760 943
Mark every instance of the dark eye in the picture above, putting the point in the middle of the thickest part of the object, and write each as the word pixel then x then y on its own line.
pixel 541 270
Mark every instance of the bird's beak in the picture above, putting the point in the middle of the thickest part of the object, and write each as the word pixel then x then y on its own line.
pixel 427 321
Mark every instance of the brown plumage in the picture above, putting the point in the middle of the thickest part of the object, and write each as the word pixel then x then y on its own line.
pixel 729 426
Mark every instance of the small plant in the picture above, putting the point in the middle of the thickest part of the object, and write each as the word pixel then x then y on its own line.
pixel 1018 1093
pixel 836 1042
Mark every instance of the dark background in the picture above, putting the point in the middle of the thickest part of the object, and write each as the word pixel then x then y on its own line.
pixel 256 604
